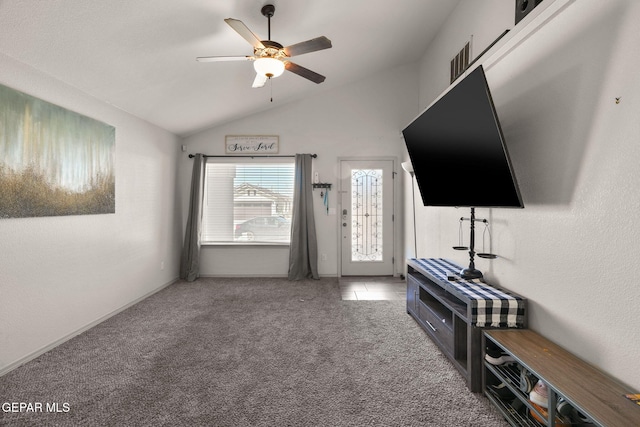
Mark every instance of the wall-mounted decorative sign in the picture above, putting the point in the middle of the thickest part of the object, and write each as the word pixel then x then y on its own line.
pixel 251 144
pixel 53 161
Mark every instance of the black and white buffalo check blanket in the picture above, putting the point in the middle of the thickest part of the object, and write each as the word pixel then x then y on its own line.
pixel 490 306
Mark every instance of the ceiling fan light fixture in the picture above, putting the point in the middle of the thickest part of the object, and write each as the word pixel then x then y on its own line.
pixel 269 67
pixel 270 58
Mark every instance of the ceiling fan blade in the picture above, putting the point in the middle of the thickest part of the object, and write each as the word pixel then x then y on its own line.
pixel 245 32
pixel 319 43
pixel 260 81
pixel 223 58
pixel 304 72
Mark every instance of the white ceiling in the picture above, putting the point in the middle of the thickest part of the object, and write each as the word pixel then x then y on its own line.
pixel 139 55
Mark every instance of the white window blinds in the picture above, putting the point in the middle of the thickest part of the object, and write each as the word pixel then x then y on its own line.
pixel 248 201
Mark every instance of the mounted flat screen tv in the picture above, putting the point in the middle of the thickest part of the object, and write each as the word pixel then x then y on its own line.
pixel 458 151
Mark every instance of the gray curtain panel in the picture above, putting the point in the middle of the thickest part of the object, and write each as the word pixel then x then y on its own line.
pixel 190 260
pixel 303 251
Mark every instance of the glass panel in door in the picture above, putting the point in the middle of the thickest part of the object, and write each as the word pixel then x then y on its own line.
pixel 367 217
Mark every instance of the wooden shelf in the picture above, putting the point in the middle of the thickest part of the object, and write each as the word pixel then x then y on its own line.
pixel 589 390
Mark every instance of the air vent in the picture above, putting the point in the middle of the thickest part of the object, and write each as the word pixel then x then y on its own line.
pixel 460 62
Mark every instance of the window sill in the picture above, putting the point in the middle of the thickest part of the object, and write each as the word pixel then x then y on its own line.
pixel 246 244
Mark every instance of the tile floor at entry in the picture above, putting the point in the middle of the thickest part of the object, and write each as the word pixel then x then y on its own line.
pixel 369 288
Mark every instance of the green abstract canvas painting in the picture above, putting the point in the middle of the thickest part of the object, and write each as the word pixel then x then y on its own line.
pixel 53 161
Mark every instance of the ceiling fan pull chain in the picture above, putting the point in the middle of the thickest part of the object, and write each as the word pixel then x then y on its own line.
pixel 271 87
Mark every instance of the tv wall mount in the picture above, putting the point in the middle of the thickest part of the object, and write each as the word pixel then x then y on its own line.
pixel 472 272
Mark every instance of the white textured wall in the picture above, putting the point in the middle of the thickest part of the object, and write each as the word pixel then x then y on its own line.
pixel 360 119
pixel 60 274
pixel 573 250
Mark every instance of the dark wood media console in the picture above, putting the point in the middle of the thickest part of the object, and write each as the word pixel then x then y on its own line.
pixel 449 316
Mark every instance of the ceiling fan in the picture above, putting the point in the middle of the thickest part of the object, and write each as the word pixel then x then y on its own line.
pixel 270 58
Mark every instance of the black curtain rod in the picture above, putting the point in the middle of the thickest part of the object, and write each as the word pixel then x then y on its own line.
pixel 191 156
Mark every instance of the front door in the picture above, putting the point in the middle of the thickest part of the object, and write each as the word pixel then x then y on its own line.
pixel 366 217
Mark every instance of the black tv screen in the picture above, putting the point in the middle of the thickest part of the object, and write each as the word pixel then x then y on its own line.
pixel 458 152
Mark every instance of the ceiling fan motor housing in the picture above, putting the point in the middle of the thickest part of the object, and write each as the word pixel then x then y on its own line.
pixel 271 50
pixel 270 58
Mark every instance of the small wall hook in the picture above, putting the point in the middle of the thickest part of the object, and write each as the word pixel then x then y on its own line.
pixel 618 100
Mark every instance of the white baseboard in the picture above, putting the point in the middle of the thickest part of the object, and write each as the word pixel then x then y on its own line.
pixel 249 276
pixel 254 276
pixel 6 369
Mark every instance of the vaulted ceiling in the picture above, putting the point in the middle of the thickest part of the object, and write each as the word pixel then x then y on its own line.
pixel 139 55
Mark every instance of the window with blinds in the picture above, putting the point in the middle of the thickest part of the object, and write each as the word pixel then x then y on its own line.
pixel 248 201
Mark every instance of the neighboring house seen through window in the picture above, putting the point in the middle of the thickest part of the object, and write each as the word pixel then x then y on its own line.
pixel 248 201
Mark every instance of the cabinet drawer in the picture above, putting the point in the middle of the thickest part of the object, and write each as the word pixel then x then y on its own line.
pixel 438 326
